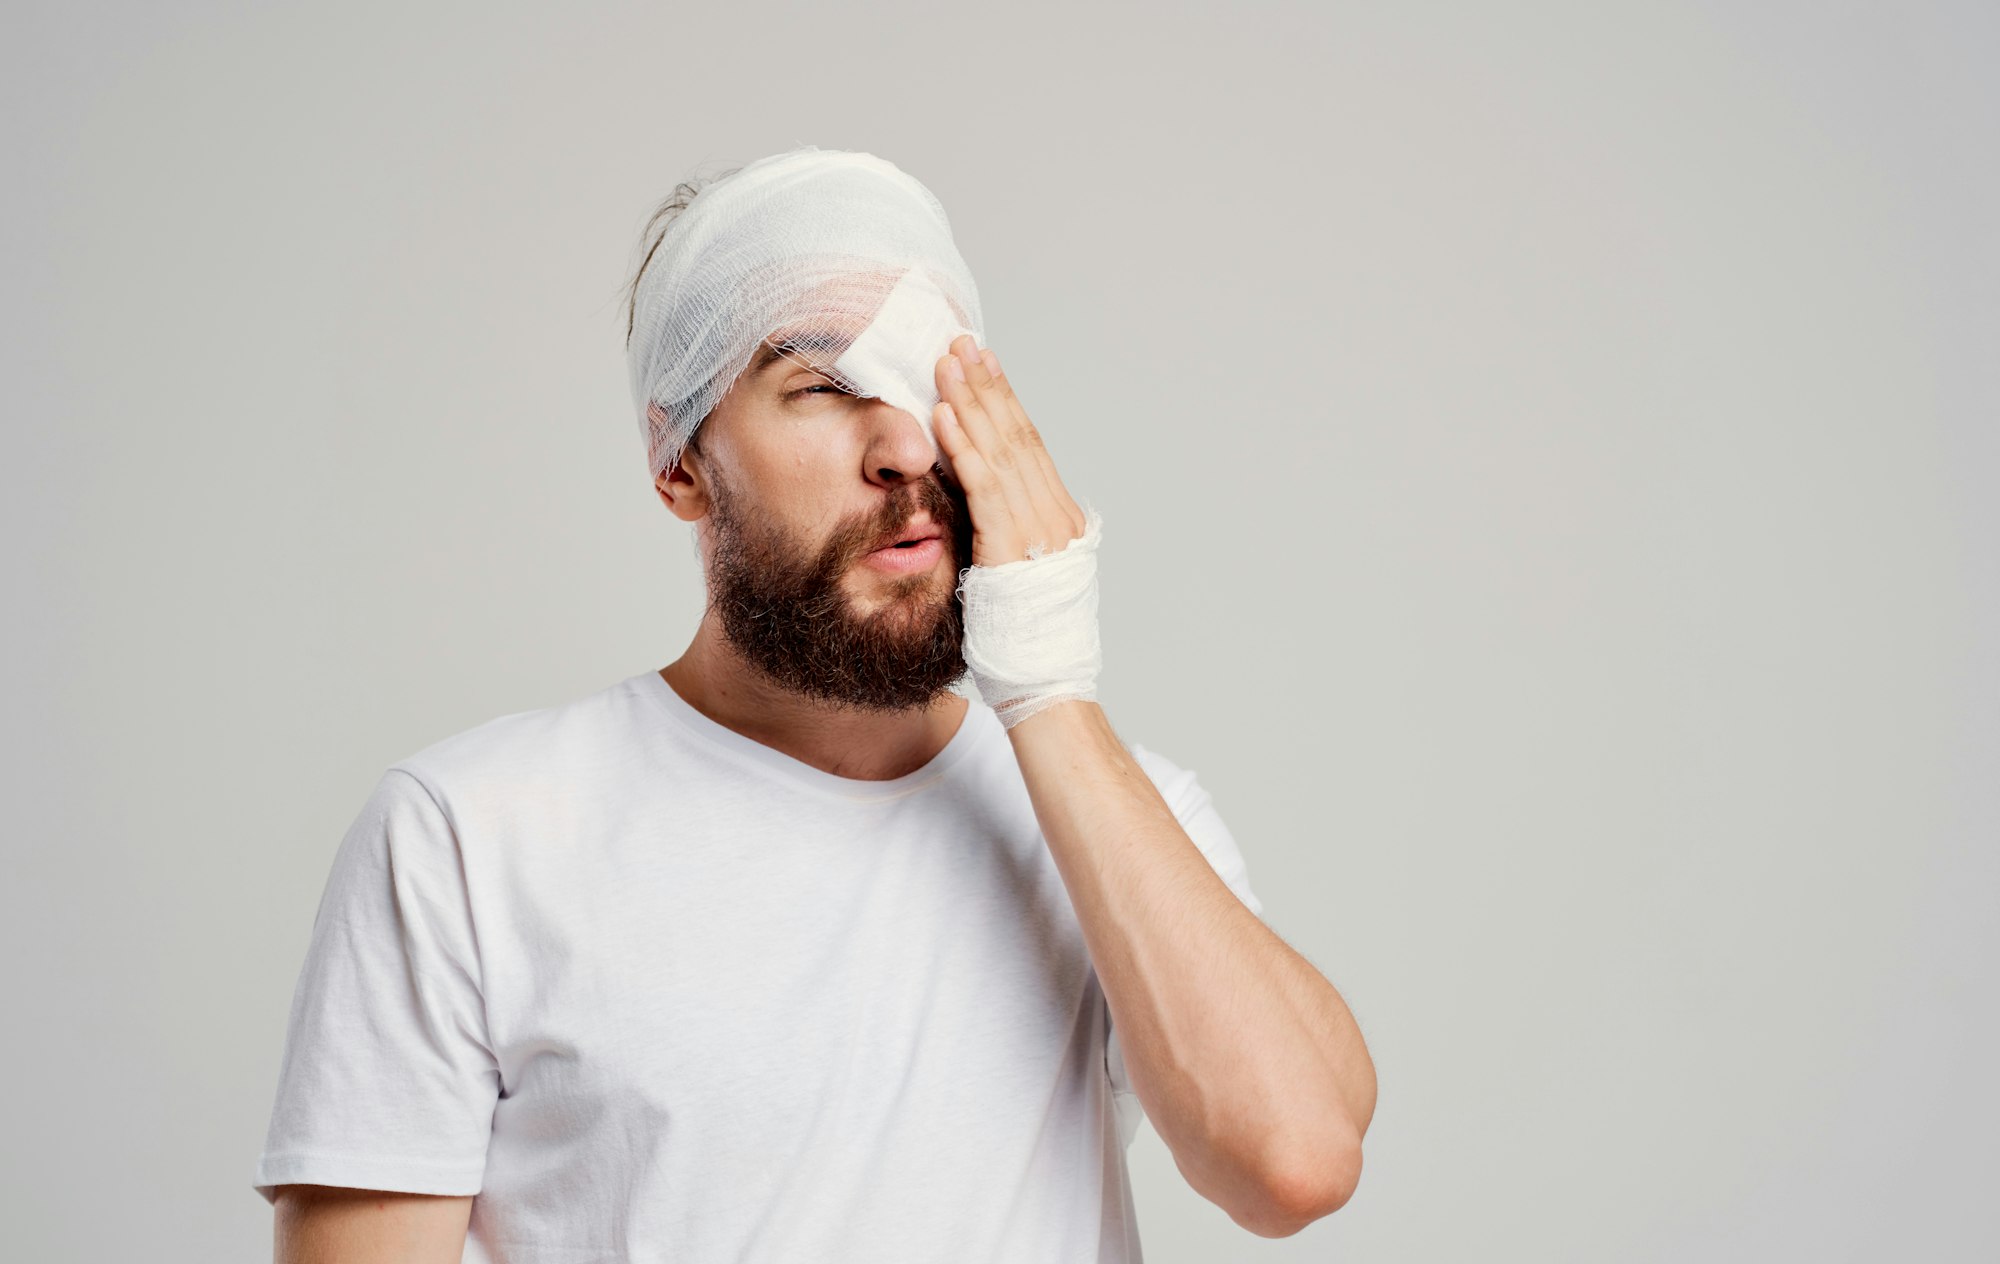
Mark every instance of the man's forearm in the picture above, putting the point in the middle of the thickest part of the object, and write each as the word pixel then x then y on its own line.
pixel 1245 1057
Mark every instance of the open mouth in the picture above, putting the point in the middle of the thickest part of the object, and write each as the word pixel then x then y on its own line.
pixel 921 536
pixel 918 551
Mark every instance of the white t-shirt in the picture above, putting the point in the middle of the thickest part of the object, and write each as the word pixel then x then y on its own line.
pixel 658 992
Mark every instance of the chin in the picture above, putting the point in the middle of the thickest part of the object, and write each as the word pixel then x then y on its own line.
pixel 909 605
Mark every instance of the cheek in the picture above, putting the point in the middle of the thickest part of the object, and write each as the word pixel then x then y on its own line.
pixel 788 459
pixel 803 494
pixel 818 466
pixel 805 477
pixel 802 471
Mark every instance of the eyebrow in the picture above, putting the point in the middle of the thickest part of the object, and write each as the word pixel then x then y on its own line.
pixel 771 351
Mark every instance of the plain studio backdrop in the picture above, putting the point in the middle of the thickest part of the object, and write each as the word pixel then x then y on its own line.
pixel 1547 456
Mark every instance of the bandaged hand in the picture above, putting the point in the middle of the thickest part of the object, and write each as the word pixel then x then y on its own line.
pixel 1031 592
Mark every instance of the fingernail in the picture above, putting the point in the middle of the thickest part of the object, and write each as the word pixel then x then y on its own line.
pixel 971 352
pixel 957 369
pixel 991 361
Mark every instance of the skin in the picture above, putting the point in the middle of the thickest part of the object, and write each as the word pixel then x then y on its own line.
pixel 321 1224
pixel 1246 1059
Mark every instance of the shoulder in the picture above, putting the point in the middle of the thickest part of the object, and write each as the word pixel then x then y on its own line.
pixel 531 752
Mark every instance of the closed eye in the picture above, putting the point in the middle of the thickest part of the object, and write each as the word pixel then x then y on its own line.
pixel 827 387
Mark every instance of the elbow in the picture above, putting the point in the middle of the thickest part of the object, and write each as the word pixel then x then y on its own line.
pixel 1302 1190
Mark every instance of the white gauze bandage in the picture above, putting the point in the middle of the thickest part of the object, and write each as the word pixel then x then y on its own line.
pixel 1031 626
pixel 848 265
pixel 840 258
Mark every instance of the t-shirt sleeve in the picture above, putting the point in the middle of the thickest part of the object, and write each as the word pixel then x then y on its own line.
pixel 1196 813
pixel 388 1080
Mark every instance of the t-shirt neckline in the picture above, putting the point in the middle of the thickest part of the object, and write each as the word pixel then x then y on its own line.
pixel 776 762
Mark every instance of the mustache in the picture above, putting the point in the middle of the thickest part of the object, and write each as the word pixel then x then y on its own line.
pixel 854 540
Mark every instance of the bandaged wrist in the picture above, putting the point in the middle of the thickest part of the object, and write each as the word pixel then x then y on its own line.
pixel 1031 627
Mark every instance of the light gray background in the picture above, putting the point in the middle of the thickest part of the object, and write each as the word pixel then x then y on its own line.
pixel 1547 456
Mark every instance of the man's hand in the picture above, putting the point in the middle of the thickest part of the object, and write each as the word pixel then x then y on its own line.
pixel 1011 488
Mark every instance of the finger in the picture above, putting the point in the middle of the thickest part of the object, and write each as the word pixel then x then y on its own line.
pixel 985 415
pixel 1006 512
pixel 1027 440
pixel 1034 454
pixel 1044 509
pixel 1045 521
pixel 993 541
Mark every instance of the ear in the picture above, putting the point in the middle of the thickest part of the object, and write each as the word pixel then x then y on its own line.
pixel 683 488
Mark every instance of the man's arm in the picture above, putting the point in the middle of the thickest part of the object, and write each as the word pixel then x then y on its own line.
pixel 1246 1059
pixel 325 1224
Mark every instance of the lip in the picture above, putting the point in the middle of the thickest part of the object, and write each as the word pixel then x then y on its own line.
pixel 914 559
pixel 918 529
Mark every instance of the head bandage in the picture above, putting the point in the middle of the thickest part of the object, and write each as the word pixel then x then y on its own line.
pixel 838 257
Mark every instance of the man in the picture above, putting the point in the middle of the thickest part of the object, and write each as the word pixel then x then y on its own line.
pixel 787 951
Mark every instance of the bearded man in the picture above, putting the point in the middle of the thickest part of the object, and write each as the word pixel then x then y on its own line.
pixel 789 950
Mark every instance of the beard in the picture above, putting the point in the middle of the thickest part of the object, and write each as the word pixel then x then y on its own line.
pixel 783 608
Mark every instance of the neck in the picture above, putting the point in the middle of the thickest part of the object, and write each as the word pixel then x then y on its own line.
pixel 866 745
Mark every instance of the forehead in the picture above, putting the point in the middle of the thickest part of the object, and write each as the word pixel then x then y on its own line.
pixel 797 349
pixel 826 317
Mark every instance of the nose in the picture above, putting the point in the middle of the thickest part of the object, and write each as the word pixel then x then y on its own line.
pixel 899 448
